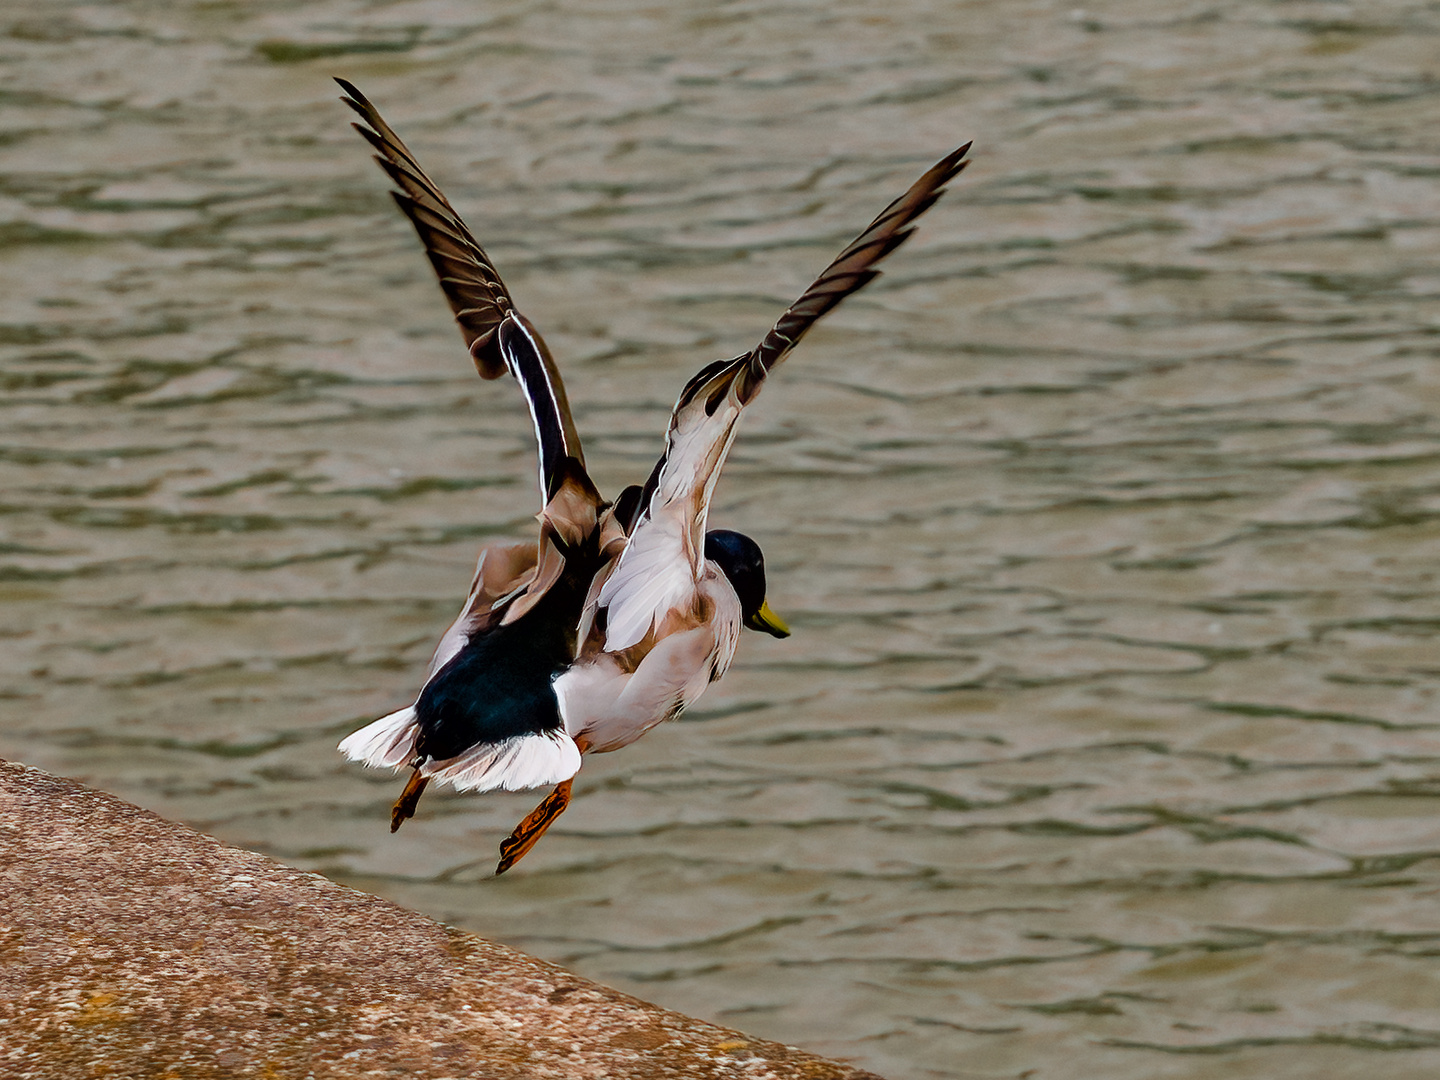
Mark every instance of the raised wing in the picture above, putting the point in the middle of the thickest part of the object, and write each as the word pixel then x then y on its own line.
pixel 500 338
pixel 854 268
pixel 468 277
pixel 663 558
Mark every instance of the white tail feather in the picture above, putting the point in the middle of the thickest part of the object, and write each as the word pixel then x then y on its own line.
pixel 388 743
pixel 527 761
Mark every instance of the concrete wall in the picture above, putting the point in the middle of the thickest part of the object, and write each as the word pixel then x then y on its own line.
pixel 134 947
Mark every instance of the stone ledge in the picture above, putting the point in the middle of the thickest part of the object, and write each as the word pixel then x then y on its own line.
pixel 131 946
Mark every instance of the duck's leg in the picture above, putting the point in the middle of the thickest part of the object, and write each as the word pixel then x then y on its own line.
pixel 533 827
pixel 405 805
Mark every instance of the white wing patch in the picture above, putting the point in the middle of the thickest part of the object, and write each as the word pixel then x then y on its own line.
pixel 387 743
pixel 696 445
pixel 654 576
pixel 662 563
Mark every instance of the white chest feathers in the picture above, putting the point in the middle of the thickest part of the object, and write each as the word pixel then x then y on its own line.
pixel 608 700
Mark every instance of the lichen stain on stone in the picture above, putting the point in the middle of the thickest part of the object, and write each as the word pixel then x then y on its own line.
pixel 97 1009
pixel 641 1039
pixel 560 993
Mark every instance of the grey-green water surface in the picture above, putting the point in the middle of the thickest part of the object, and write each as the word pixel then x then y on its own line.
pixel 1107 742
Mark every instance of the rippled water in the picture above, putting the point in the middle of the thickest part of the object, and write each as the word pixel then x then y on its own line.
pixel 1107 744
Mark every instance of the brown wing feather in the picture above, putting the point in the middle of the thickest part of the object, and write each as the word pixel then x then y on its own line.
pixel 851 270
pixel 467 276
pixel 854 268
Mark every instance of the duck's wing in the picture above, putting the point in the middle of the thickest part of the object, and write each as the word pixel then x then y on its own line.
pixel 664 555
pixel 499 337
pixel 468 278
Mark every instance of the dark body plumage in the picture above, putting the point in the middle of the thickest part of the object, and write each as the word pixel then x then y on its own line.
pixel 500 684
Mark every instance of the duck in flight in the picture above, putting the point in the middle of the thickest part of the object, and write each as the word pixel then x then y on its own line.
pixel 616 616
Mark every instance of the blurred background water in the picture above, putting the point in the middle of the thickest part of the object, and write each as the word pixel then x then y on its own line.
pixel 1107 742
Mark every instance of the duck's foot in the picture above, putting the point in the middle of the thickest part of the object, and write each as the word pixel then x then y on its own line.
pixel 405 805
pixel 533 827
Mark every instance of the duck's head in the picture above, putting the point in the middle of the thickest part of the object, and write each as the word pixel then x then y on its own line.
pixel 741 561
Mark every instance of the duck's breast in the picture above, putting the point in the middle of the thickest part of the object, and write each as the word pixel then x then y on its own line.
pixel 610 699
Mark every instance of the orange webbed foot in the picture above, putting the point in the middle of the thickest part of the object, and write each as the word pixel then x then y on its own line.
pixel 405 805
pixel 533 827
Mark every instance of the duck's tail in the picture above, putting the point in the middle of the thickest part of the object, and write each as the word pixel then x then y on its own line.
pixel 512 764
pixel 388 743
pixel 534 760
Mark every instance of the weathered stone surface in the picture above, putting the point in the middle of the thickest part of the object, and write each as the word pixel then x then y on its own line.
pixel 133 947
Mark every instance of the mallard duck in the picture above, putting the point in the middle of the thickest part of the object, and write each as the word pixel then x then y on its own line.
pixel 617 616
